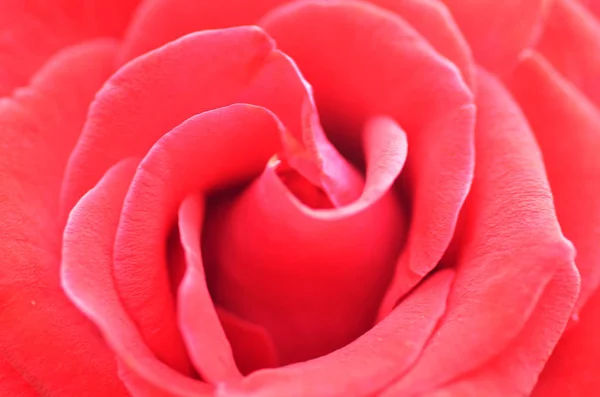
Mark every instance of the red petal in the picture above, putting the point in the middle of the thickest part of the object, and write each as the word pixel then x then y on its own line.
pixel 39 126
pixel 358 57
pixel 510 249
pixel 200 72
pixel 567 128
pixel 325 269
pixel 31 32
pixel 515 371
pixel 214 149
pixel 433 21
pixel 368 364
pixel 571 42
pixel 252 344
pixel 206 342
pixel 573 368
pixel 498 30
pixel 158 22
pixel 12 382
pixel 87 279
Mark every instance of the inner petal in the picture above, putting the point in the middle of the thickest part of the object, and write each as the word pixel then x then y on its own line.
pixel 280 255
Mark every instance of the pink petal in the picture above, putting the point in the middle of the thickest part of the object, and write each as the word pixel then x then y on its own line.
pixel 498 30
pixel 368 364
pixel 204 337
pixel 39 126
pixel 567 128
pixel 211 150
pixel 358 57
pixel 571 42
pixel 86 275
pixel 324 270
pixel 32 32
pixel 510 250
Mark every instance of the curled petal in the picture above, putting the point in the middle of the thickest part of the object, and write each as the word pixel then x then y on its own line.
pixel 206 342
pixel 212 150
pixel 358 57
pixel 510 249
pixel 86 275
pixel 326 269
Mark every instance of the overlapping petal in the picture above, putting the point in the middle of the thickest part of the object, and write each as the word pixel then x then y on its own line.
pixel 358 59
pixel 571 42
pixel 503 268
pixel 86 275
pixel 310 275
pixel 32 32
pixel 39 125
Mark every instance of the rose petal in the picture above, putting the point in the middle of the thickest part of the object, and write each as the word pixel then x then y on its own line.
pixel 573 368
pixel 86 275
pixel 571 42
pixel 252 345
pixel 214 149
pixel 32 32
pixel 358 58
pixel 433 21
pixel 498 31
pixel 567 128
pixel 158 22
pixel 312 278
pixel 205 340
pixel 12 382
pixel 39 126
pixel 515 371
pixel 238 65
pixel 510 249
pixel 368 364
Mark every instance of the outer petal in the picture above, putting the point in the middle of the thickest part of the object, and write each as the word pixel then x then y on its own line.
pixel 357 57
pixel 515 371
pixel 32 31
pixel 365 366
pixel 571 42
pixel 498 30
pixel 159 21
pixel 38 128
pixel 567 128
pixel 12 382
pixel 86 275
pixel 510 249
pixel 573 368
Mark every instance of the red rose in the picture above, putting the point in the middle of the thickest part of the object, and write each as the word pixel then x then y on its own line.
pixel 308 198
